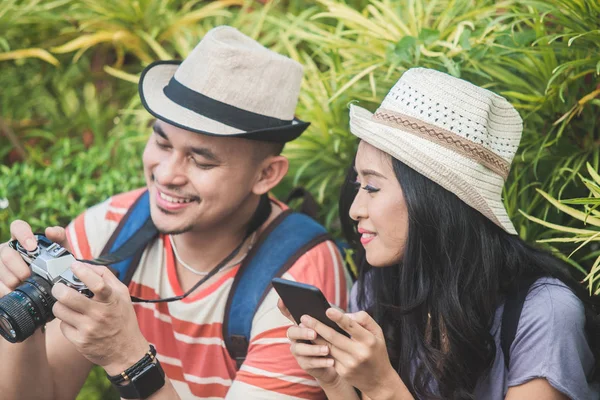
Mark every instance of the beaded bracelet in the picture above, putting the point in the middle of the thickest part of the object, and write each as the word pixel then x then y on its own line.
pixel 134 369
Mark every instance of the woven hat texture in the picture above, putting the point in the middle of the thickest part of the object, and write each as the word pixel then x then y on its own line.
pixel 228 85
pixel 459 135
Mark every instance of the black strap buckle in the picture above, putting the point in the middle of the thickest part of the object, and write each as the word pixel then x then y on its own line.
pixel 239 349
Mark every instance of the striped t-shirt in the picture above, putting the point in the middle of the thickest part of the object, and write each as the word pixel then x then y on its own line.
pixel 188 333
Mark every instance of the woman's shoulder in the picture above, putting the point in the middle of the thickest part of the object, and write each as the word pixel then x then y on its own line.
pixel 549 302
pixel 551 311
pixel 552 303
pixel 551 341
pixel 554 290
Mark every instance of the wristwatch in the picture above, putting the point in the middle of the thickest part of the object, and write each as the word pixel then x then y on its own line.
pixel 142 379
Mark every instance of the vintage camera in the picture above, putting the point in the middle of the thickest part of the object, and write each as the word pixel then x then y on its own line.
pixel 29 306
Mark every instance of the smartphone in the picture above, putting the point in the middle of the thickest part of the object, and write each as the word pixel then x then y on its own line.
pixel 303 299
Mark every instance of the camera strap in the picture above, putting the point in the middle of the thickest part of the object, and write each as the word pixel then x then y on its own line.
pixel 146 231
pixel 143 235
pixel 287 238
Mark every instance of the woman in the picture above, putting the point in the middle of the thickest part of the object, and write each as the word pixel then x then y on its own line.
pixel 439 257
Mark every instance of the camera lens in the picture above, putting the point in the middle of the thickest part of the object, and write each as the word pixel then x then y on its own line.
pixel 25 309
pixel 6 326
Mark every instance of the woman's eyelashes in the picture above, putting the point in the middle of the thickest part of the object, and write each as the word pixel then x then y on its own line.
pixel 370 189
pixel 367 187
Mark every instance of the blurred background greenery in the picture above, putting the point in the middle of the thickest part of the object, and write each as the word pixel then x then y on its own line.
pixel 72 128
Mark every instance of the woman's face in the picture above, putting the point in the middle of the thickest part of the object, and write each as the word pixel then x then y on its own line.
pixel 379 207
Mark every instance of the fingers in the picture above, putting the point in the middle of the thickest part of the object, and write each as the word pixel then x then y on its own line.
pixel 65 312
pixel 70 298
pixel 301 333
pixel 309 350
pixel 4 290
pixel 58 235
pixel 307 363
pixel 349 324
pixel 330 335
pixel 13 270
pixel 96 278
pixel 21 231
pixel 309 356
pixel 9 279
pixel 68 331
pixel 367 322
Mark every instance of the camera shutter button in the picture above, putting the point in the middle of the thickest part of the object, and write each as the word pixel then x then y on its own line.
pixel 33 253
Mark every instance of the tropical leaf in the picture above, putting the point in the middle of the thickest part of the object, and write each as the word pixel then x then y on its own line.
pixel 29 53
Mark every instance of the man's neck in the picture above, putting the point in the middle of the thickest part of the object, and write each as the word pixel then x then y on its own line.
pixel 203 250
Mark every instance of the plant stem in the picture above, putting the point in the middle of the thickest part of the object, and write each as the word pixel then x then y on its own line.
pixel 8 132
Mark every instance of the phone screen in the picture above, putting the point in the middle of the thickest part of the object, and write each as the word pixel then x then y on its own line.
pixel 303 299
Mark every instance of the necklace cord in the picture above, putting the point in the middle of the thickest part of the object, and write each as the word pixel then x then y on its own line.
pixel 260 216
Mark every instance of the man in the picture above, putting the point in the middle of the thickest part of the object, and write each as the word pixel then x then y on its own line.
pixel 223 115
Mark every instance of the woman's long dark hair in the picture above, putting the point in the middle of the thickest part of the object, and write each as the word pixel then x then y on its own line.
pixel 456 269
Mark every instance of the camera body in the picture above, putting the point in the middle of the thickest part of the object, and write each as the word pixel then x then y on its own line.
pixel 29 306
pixel 52 262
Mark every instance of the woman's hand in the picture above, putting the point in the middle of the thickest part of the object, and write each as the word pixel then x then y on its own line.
pixel 312 357
pixel 361 360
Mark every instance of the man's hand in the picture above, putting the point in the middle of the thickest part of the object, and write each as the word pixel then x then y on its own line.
pixel 103 328
pixel 13 270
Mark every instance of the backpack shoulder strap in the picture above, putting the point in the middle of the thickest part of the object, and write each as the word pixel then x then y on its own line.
pixel 513 307
pixel 287 238
pixel 127 243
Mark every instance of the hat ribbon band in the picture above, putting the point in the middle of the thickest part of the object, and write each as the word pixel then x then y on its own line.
pixel 218 111
pixel 445 138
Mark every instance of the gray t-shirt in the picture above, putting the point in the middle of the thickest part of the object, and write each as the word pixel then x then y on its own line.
pixel 550 343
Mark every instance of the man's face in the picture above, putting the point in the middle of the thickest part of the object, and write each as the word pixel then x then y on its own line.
pixel 196 182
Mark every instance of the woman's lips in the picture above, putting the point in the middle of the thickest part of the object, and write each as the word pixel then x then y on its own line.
pixel 366 236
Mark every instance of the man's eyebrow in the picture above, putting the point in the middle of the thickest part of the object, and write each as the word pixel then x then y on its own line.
pixel 206 153
pixel 159 131
pixel 201 151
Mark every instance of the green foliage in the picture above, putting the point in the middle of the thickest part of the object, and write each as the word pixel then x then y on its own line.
pixel 98 387
pixel 589 216
pixel 542 56
pixel 62 181
pixel 554 83
pixel 357 55
pixel 72 128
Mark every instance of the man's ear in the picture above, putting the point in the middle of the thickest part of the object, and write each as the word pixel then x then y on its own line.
pixel 271 171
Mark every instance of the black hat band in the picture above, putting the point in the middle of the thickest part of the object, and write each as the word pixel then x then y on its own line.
pixel 218 111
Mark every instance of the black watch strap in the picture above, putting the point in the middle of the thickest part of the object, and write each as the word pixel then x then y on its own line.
pixel 147 382
pixel 142 379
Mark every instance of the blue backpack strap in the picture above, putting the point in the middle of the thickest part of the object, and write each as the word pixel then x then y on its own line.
pixel 287 238
pixel 129 240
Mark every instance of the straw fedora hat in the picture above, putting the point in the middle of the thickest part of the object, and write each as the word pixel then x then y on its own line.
pixel 229 85
pixel 457 134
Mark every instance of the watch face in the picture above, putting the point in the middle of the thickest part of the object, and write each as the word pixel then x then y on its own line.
pixel 145 383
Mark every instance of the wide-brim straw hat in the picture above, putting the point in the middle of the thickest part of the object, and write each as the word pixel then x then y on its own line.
pixel 459 135
pixel 229 85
